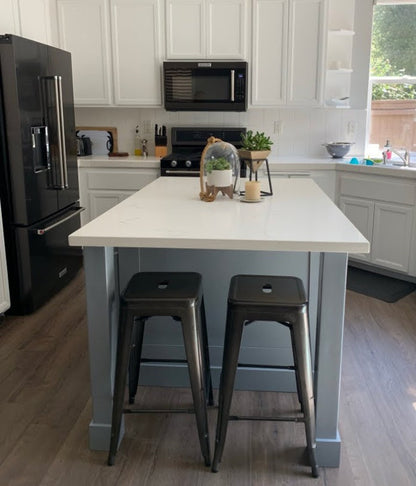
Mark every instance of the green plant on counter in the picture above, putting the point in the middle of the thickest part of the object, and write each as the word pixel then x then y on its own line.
pixel 256 141
pixel 221 163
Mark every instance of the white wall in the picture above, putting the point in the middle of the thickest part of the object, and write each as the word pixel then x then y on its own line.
pixel 302 130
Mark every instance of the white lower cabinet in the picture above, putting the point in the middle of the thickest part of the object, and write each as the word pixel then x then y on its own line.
pixel 361 213
pixel 101 189
pixel 392 232
pixel 383 210
pixel 324 178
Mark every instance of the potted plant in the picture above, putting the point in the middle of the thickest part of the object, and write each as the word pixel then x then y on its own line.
pixel 219 172
pixel 255 146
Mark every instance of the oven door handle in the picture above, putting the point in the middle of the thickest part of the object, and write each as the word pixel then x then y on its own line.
pixel 181 172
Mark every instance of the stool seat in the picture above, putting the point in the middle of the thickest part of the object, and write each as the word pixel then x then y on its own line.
pixel 266 291
pixel 175 294
pixel 179 288
pixel 279 299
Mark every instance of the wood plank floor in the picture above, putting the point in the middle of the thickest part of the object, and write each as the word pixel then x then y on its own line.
pixel 45 411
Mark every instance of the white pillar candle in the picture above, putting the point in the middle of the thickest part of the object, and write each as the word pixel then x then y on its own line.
pixel 252 190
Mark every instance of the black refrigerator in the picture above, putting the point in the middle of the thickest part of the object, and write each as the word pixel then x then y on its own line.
pixel 38 170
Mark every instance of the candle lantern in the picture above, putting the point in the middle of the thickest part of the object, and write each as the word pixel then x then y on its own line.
pixel 219 170
pixel 253 160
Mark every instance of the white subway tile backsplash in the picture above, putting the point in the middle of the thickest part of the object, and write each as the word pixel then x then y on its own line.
pixel 302 131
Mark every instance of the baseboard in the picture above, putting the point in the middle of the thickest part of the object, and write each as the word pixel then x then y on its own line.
pixel 381 271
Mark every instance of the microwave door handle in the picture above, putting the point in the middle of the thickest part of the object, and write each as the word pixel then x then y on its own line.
pixel 232 84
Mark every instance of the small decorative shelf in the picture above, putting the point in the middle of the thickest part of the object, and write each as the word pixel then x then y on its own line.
pixel 340 71
pixel 254 164
pixel 345 32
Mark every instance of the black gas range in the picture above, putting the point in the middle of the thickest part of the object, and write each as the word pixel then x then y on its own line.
pixel 188 144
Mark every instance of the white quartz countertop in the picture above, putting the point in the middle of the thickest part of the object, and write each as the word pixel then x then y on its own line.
pixel 168 213
pixel 130 161
pixel 276 164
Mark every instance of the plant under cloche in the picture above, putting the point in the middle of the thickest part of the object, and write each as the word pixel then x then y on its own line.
pixel 221 163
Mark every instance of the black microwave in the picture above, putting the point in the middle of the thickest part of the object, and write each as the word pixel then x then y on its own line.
pixel 205 85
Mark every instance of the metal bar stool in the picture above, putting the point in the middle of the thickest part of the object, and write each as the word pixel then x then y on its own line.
pixel 267 298
pixel 175 294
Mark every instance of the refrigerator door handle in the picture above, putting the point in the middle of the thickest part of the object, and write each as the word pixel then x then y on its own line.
pixel 58 108
pixel 61 131
pixel 42 231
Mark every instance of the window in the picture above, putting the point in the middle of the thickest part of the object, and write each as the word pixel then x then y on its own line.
pixel 393 74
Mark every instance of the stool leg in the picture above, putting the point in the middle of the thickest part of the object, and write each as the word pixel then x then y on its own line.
pixel 303 351
pixel 232 342
pixel 135 357
pixel 192 336
pixel 295 362
pixel 126 322
pixel 208 377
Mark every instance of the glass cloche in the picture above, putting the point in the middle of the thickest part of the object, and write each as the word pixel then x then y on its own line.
pixel 220 170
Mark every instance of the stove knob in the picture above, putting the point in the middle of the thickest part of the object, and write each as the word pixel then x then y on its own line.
pixel 173 163
pixel 188 163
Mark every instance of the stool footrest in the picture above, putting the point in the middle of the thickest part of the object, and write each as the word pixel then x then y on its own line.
pixel 164 410
pixel 266 367
pixel 267 419
pixel 162 360
pixel 160 410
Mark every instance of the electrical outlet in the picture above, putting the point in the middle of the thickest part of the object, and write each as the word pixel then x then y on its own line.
pixel 277 127
pixel 351 128
pixel 147 127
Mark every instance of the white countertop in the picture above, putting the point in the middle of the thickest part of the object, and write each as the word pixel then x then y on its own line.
pixel 169 214
pixel 91 161
pixel 276 164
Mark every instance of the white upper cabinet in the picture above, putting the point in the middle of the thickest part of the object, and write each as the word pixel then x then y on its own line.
pixel 36 20
pixel 306 42
pixel 185 29
pixel 33 19
pixel 206 29
pixel 288 52
pixel 226 29
pixel 136 39
pixel 9 18
pixel 269 57
pixel 84 31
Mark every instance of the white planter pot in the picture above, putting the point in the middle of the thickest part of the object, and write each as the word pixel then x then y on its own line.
pixel 220 178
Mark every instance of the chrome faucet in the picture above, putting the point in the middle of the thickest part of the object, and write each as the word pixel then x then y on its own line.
pixel 405 157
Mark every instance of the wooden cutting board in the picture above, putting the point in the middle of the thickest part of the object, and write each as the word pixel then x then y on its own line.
pixel 101 138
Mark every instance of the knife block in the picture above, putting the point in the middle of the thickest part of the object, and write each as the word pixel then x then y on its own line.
pixel 161 150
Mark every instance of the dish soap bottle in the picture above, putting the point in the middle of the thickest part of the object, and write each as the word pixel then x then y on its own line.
pixel 137 142
pixel 387 151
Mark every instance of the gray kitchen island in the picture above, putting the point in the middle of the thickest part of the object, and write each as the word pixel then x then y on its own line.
pixel 297 231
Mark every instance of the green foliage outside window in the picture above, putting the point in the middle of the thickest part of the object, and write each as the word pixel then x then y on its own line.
pixel 393 50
